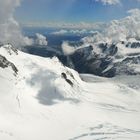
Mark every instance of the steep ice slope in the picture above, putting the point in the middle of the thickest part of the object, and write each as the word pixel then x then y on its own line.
pixel 45 100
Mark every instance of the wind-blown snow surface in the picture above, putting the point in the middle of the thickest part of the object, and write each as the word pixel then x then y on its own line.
pixel 38 103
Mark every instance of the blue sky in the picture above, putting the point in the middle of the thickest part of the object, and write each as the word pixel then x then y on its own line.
pixel 72 10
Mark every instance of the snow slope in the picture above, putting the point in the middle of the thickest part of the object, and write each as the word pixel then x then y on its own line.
pixel 39 103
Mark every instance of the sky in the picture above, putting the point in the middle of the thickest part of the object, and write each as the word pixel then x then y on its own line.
pixel 73 11
pixel 81 14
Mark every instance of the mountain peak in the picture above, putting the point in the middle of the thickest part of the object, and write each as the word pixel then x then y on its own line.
pixel 10 49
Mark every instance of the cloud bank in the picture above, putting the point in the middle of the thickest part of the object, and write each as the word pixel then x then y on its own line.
pixel 63 25
pixel 9 28
pixel 119 30
pixel 76 31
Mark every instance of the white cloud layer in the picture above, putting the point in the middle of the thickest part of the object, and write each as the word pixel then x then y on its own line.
pixel 119 30
pixel 9 28
pixel 73 31
pixel 63 25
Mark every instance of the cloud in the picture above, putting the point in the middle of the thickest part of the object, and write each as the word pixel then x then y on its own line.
pixel 128 27
pixel 67 49
pixel 119 30
pixel 40 40
pixel 9 28
pixel 109 2
pixel 112 2
pixel 134 12
pixel 63 25
pixel 76 31
pixel 60 32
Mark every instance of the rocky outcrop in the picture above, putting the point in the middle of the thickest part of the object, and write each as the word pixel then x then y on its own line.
pixel 4 63
pixel 133 45
pixel 11 49
pixel 64 75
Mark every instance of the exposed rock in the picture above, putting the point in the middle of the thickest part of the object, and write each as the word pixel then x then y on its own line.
pixel 10 49
pixel 67 80
pixel 4 63
pixel 86 61
pixel 70 82
pixel 133 45
pixel 64 75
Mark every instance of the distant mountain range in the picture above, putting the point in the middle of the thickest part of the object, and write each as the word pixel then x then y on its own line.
pixel 102 59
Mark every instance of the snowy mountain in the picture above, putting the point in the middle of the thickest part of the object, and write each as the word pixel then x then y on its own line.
pixel 42 99
pixel 105 59
pixel 102 58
